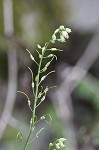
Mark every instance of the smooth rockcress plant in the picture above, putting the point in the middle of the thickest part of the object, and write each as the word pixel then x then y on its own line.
pixel 61 35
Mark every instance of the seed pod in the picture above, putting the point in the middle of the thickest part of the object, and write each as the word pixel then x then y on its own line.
pixel 43 98
pixel 39 46
pixel 36 78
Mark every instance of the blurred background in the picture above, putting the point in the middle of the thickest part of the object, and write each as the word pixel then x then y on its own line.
pixel 74 104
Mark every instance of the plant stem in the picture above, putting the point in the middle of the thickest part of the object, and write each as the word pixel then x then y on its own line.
pixel 35 100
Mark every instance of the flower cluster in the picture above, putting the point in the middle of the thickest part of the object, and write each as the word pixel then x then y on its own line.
pixel 64 34
pixel 58 144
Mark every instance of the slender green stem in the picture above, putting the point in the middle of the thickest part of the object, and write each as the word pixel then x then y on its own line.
pixel 48 148
pixel 35 100
pixel 26 143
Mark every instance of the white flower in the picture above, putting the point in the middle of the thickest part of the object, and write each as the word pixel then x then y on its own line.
pixel 61 144
pixel 65 34
pixel 62 39
pixel 62 139
pixel 68 30
pixel 57 146
pixel 61 27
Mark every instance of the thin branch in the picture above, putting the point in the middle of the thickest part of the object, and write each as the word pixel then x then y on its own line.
pixel 12 88
pixel 12 67
pixel 8 17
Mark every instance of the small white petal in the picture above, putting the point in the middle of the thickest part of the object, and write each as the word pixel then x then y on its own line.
pixel 65 34
pixel 61 27
pixel 57 146
pixel 56 31
pixel 68 30
pixel 62 38
pixel 62 139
